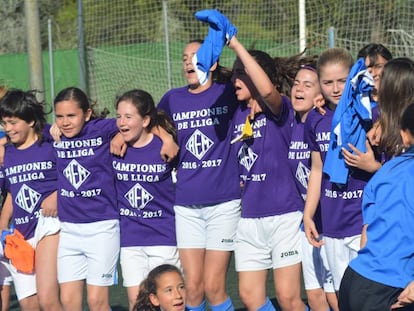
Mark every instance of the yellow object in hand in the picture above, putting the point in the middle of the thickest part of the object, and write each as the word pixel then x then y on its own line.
pixel 247 131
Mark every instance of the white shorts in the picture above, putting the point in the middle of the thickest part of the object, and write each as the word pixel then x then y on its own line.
pixel 268 242
pixel 212 227
pixel 138 261
pixel 5 276
pixel 315 268
pixel 46 225
pixel 89 251
pixel 339 253
pixel 24 283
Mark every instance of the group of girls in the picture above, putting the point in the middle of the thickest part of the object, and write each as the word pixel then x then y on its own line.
pixel 355 236
pixel 268 199
pixel 247 193
pixel 73 177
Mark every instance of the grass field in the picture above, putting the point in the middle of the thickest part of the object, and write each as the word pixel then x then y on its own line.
pixel 119 301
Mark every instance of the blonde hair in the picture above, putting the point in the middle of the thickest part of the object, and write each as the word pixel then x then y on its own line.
pixel 334 56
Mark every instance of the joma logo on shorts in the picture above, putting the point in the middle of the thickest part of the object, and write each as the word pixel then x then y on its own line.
pixel 227 241
pixel 106 275
pixel 289 253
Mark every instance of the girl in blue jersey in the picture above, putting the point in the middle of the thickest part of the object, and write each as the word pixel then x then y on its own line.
pixel 207 203
pixel 268 233
pixel 376 278
pixel 145 192
pixel 395 95
pixel 31 182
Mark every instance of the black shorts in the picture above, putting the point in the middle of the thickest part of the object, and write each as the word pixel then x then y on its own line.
pixel 357 293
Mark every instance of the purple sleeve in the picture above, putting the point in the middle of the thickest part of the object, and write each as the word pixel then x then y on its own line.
pixel 310 136
pixel 164 104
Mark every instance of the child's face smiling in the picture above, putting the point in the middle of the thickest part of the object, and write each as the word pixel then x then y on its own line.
pixel 70 118
pixel 19 131
pixel 171 292
pixel 132 126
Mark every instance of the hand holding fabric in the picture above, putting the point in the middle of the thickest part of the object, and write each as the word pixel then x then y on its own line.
pixel 219 33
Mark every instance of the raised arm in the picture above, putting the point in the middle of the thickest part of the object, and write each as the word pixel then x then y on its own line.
pixel 264 86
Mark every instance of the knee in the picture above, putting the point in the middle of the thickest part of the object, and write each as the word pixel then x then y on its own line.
pixel 29 303
pixel 290 302
pixel 248 298
pixel 69 303
pixel 194 291
pixel 213 289
pixel 64 302
pixel 49 303
pixel 97 303
pixel 317 300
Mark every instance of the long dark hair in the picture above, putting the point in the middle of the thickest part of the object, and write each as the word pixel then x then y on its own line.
pixel 396 92
pixel 407 119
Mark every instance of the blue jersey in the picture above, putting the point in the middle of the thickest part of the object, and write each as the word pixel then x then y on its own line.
pixel 388 210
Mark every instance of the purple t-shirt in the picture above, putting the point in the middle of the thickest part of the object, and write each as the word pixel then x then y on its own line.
pixel 86 181
pixel 145 197
pixel 299 158
pixel 30 176
pixel 340 204
pixel 207 170
pixel 2 180
pixel 269 187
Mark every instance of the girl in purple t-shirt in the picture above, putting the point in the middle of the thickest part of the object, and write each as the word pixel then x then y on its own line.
pixel 268 234
pixel 306 94
pixel 145 192
pixel 207 202
pixel 340 204
pixel 31 183
pixel 89 240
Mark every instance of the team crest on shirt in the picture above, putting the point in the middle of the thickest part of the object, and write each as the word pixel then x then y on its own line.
pixel 302 174
pixel 198 144
pixel 246 157
pixel 27 198
pixel 76 173
pixel 138 197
